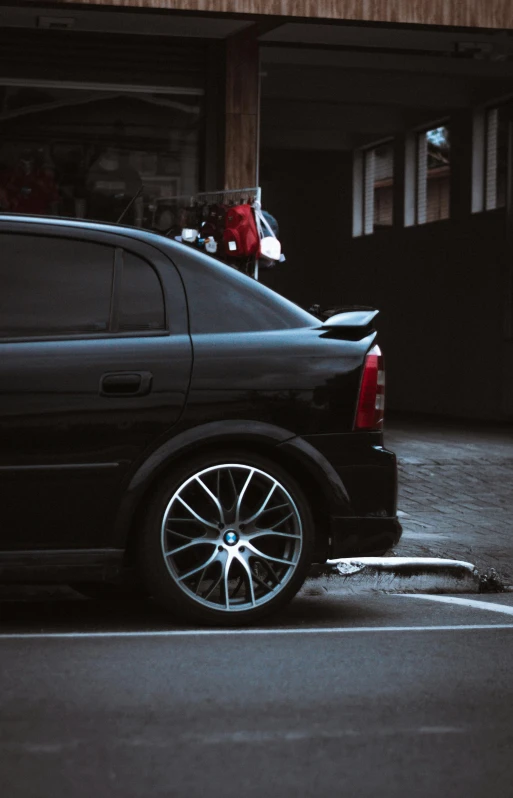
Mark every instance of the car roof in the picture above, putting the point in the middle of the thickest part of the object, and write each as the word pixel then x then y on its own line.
pixel 86 224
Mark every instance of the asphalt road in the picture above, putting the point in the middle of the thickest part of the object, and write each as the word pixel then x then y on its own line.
pixel 360 696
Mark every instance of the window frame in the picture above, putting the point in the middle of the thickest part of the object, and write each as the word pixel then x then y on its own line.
pixel 118 244
pixel 360 195
pixel 412 178
pixel 480 155
pixel 117 290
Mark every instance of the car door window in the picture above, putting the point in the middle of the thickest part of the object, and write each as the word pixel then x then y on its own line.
pixel 141 304
pixel 51 285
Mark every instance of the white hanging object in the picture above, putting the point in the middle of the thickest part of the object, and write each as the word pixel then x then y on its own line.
pixel 189 234
pixel 270 246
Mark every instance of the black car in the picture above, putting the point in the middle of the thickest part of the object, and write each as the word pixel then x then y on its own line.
pixel 167 419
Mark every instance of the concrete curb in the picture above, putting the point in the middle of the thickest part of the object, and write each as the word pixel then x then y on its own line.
pixel 345 576
pixel 392 574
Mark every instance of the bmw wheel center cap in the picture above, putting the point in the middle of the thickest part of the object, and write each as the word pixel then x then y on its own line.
pixel 231 538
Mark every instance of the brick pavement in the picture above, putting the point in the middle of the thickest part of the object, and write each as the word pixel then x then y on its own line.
pixel 456 491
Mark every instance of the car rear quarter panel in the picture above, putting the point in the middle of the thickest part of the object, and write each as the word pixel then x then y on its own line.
pixel 297 379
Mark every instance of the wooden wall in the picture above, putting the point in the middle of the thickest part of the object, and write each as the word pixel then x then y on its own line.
pixel 471 13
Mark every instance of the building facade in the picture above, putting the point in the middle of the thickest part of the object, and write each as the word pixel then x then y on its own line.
pixel 379 130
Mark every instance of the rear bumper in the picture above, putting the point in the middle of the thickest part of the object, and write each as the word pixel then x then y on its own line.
pixel 353 536
pixel 368 471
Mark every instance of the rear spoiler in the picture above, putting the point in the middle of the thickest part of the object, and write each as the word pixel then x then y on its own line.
pixel 352 324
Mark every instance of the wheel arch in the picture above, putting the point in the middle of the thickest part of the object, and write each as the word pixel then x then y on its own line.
pixel 314 474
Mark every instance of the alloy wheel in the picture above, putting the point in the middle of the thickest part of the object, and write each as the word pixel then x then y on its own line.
pixel 231 537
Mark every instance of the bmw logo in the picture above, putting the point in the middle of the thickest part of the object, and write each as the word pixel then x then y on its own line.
pixel 231 538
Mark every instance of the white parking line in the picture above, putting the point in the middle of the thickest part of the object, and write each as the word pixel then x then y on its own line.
pixel 239 737
pixel 238 632
pixel 463 602
pixel 296 735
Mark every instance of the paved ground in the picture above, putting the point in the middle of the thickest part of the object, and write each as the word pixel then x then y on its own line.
pixel 378 695
pixel 456 490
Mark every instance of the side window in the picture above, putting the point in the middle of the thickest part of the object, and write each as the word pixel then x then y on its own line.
pixel 141 305
pixel 53 285
pixel 222 300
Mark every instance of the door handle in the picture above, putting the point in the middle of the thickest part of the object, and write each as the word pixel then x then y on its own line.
pixel 126 383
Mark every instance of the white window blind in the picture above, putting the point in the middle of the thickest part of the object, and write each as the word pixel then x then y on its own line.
pixel 370 176
pixel 422 179
pixel 492 139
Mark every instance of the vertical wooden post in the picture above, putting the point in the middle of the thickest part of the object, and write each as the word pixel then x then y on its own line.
pixel 242 122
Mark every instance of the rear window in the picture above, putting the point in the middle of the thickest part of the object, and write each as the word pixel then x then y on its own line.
pixel 222 300
pixel 141 305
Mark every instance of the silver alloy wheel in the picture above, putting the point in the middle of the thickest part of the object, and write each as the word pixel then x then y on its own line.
pixel 231 537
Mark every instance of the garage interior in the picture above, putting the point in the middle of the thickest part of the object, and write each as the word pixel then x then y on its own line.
pixel 384 157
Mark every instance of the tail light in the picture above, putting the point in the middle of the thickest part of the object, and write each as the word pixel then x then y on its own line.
pixel 371 400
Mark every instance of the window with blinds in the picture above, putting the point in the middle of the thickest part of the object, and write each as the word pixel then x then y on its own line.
pixel 433 175
pixel 490 157
pixel 376 210
pixel 496 158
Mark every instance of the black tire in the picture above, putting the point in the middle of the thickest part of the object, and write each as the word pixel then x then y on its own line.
pixel 162 579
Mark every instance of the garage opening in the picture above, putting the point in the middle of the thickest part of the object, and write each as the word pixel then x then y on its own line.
pixel 384 156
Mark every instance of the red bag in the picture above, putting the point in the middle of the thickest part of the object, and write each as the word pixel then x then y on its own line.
pixel 240 237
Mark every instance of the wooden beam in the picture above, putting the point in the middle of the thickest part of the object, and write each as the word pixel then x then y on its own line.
pixel 242 110
pixel 460 13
